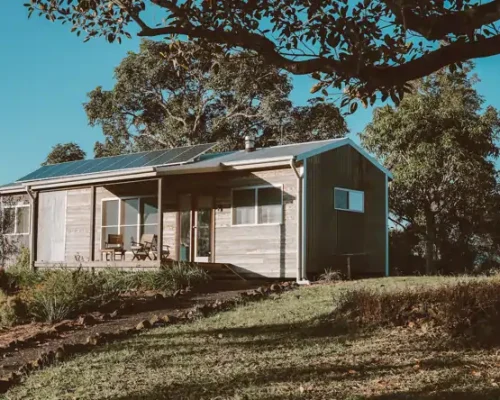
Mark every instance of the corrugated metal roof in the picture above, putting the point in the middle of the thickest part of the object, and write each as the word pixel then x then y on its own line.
pixel 260 154
pixel 220 161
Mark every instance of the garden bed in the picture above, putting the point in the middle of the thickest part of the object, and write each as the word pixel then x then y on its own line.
pixel 37 344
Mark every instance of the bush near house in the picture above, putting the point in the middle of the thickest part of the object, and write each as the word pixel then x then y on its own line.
pixel 53 295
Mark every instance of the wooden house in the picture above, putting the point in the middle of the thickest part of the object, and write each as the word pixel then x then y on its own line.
pixel 288 211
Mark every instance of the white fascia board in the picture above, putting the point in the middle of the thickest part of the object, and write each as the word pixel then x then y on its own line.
pixel 345 142
pixel 258 161
pixel 182 171
pixel 270 164
pixel 17 190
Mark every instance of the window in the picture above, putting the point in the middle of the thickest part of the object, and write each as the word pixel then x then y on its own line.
pixel 259 205
pixel 16 220
pixel 349 200
pixel 129 217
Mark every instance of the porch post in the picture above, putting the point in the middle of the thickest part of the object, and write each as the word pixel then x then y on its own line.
pixel 160 220
pixel 92 224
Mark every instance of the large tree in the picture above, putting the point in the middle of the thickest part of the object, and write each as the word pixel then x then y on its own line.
pixel 64 152
pixel 369 45
pixel 440 145
pixel 157 102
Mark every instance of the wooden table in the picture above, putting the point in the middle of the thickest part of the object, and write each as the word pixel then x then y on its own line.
pixel 112 252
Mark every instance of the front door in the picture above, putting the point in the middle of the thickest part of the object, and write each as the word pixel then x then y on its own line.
pixel 196 228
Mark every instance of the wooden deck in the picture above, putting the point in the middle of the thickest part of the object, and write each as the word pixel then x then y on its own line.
pixel 215 270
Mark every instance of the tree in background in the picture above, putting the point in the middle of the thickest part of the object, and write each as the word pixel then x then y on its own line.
pixel 184 94
pixel 369 45
pixel 440 146
pixel 64 152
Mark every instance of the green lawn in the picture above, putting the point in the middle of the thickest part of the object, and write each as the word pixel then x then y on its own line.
pixel 275 349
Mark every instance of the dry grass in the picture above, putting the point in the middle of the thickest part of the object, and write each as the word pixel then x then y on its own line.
pixel 282 349
pixel 460 310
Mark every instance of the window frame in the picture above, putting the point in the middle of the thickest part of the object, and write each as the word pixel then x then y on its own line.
pixel 120 225
pixel 16 222
pixel 256 189
pixel 362 211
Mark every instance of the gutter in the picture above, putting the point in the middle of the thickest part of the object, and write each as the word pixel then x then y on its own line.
pixel 87 181
pixel 83 177
pixel 301 231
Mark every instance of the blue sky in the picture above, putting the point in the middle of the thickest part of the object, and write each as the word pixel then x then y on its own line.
pixel 46 72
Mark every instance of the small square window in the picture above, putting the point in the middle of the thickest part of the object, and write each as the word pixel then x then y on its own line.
pixel 349 200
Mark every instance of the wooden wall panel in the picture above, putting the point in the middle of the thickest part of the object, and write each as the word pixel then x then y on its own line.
pixel 332 232
pixel 78 214
pixel 52 227
pixel 269 251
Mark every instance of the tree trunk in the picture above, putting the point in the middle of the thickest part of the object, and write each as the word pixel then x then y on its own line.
pixel 430 239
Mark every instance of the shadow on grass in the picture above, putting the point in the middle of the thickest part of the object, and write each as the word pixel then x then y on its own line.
pixel 284 383
pixel 318 327
pixel 472 394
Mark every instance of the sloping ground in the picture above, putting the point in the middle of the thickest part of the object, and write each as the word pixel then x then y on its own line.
pixel 275 349
pixel 23 344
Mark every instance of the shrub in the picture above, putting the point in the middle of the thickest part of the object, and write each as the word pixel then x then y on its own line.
pixel 12 310
pixel 21 275
pixel 115 280
pixel 178 276
pixel 168 278
pixel 64 294
pixel 469 309
pixel 331 275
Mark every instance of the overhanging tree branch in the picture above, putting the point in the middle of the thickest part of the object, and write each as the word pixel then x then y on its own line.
pixel 436 27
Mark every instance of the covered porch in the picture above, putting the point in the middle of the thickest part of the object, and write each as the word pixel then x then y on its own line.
pixel 238 217
pixel 138 223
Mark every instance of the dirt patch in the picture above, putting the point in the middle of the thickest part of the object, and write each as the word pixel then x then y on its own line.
pixel 26 343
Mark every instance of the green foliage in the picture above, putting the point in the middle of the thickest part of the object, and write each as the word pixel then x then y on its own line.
pixel 20 275
pixel 178 276
pixel 64 293
pixel 12 310
pixel 158 102
pixel 359 46
pixel 64 152
pixel 440 144
pixel 168 278
pixel 331 275
pixel 470 309
pixel 53 295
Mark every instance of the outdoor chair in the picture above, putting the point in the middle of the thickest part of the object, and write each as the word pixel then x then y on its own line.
pixel 148 245
pixel 112 247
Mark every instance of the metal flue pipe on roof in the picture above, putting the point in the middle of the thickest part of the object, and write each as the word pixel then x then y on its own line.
pixel 249 143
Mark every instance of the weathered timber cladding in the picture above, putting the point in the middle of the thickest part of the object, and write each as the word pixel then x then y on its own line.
pixel 261 250
pixel 78 214
pixel 52 226
pixel 330 232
